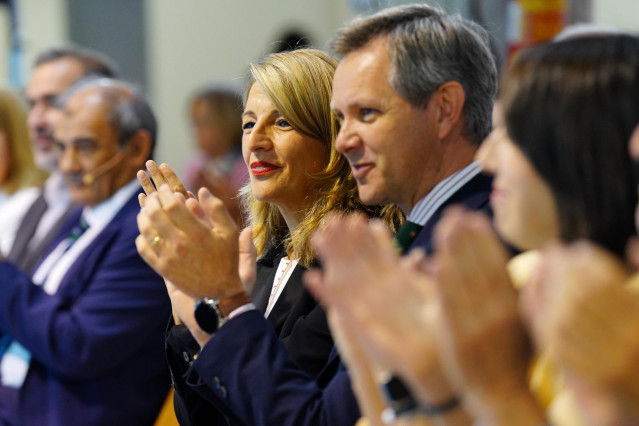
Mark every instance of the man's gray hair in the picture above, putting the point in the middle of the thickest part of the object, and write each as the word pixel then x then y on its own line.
pixel 93 62
pixel 427 48
pixel 129 110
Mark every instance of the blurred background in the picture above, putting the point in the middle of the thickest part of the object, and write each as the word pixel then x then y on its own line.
pixel 170 48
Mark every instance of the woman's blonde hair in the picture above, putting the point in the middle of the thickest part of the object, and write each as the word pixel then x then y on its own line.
pixel 23 172
pixel 298 83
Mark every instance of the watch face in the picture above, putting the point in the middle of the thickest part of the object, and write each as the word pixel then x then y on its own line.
pixel 206 316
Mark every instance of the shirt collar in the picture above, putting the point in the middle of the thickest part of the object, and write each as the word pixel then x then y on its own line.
pixel 427 206
pixel 106 210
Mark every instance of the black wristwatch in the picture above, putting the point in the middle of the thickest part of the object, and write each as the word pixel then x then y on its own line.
pixel 401 402
pixel 398 396
pixel 207 315
pixel 211 314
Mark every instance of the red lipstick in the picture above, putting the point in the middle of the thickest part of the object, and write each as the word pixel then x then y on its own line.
pixel 262 168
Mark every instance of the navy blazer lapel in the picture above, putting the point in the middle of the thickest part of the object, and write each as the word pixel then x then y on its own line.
pixel 474 195
pixel 72 218
pixel 79 274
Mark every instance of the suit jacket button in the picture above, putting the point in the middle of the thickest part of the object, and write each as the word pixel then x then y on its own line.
pixel 221 391
pixel 186 356
pixel 218 387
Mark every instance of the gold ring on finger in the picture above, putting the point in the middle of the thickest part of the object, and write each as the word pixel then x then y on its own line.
pixel 155 240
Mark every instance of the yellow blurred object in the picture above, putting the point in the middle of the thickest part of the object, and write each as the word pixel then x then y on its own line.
pixel 633 282
pixel 167 413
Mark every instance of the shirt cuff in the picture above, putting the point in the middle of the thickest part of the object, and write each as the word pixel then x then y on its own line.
pixel 241 310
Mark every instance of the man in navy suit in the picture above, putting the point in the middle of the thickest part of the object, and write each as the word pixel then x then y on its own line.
pixel 414 94
pixel 54 71
pixel 83 338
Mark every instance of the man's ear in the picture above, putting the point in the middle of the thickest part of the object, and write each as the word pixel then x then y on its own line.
pixel 450 98
pixel 138 149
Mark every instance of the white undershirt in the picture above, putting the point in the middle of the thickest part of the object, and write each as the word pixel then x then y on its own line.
pixel 12 210
pixel 284 272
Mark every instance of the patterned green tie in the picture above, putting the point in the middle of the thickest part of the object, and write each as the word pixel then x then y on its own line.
pixel 406 235
pixel 77 232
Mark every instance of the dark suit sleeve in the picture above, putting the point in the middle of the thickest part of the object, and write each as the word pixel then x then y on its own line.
pixel 190 408
pixel 297 318
pixel 248 370
pixel 95 321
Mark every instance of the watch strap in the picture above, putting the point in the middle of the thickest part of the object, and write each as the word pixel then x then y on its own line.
pixel 401 401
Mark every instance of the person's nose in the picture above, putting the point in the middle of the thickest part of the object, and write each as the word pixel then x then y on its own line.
pixel 37 116
pixel 348 138
pixel 486 154
pixel 69 161
pixel 260 138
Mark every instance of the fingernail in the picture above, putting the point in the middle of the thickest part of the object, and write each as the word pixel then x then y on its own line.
pixel 205 193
